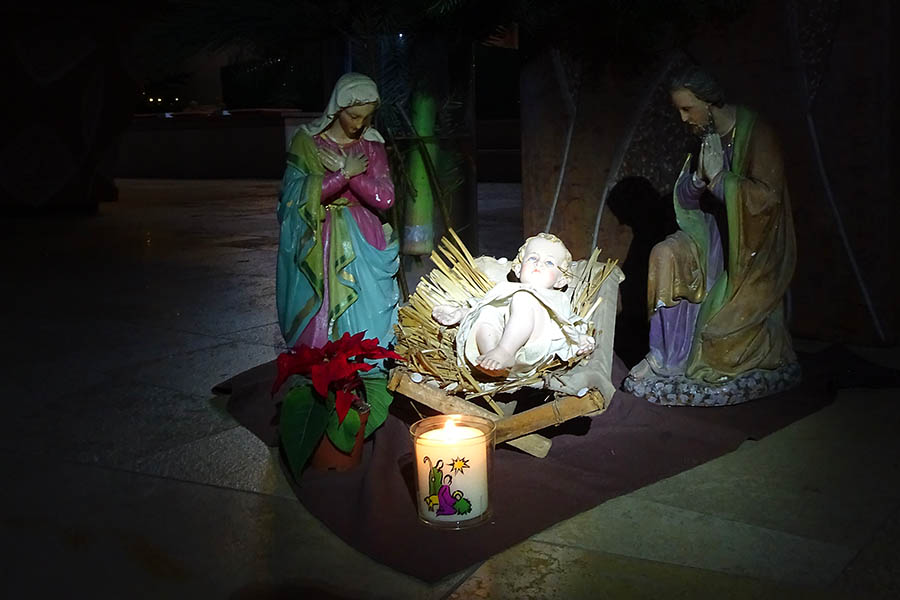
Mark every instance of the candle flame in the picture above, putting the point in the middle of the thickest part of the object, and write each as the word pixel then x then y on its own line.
pixel 451 431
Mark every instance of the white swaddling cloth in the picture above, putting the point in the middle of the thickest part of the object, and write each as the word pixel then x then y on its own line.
pixel 559 338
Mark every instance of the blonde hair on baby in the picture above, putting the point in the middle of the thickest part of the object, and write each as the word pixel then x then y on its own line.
pixel 550 238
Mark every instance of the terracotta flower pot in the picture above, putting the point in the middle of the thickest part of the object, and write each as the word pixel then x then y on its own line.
pixel 327 457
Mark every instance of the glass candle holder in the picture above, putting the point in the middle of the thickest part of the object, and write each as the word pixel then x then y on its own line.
pixel 454 457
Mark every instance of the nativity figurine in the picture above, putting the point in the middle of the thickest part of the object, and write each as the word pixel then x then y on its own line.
pixel 518 326
pixel 717 287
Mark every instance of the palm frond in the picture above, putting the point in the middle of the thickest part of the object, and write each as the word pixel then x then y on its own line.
pixel 445 7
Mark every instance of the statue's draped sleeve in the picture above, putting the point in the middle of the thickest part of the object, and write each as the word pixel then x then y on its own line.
pixel 741 322
pixel 299 276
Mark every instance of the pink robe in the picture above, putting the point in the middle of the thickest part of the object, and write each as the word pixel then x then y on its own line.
pixel 366 193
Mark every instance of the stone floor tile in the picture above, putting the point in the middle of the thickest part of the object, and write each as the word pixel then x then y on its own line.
pixel 81 529
pixel 113 423
pixel 262 335
pixel 833 477
pixel 215 306
pixel 234 459
pixel 196 372
pixel 103 343
pixel 875 572
pixel 642 529
pixel 257 262
pixel 541 571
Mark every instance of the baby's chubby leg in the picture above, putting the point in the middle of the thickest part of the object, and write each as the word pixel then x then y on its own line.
pixel 487 337
pixel 523 313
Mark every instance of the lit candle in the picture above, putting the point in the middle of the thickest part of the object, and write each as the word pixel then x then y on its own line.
pixel 453 456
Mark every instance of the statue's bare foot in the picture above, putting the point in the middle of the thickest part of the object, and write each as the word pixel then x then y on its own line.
pixel 496 363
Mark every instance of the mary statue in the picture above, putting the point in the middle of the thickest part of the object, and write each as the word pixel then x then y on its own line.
pixel 337 261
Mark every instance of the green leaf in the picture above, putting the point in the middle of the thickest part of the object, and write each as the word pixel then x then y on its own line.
pixel 303 421
pixel 379 399
pixel 343 435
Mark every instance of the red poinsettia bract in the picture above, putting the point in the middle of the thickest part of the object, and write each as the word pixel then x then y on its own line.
pixel 333 367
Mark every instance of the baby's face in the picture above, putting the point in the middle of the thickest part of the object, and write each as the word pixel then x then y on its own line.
pixel 541 263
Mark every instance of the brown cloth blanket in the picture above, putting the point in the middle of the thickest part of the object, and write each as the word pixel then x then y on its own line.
pixel 632 444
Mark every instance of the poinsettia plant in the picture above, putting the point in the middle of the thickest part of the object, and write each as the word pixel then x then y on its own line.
pixel 323 400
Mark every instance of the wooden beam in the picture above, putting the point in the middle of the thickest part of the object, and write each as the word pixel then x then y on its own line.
pixel 555 412
pixel 441 401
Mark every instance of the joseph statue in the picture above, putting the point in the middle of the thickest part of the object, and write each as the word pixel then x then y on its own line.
pixel 716 287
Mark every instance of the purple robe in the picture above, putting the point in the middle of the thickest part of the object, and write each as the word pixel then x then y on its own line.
pixel 672 327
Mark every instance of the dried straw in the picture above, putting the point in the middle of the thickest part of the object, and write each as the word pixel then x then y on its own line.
pixel 430 348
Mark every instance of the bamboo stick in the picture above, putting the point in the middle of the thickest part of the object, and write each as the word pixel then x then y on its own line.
pixel 552 413
pixel 442 402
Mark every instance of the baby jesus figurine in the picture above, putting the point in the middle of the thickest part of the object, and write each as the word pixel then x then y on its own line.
pixel 516 326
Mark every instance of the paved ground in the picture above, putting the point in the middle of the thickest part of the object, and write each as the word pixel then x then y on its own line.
pixel 125 478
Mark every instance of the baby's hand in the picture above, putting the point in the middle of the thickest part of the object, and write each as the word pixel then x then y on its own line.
pixel 585 344
pixel 447 315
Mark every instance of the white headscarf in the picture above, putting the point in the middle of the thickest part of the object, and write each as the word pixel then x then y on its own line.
pixel 350 90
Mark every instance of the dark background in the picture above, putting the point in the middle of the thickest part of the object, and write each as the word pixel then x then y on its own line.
pixel 234 76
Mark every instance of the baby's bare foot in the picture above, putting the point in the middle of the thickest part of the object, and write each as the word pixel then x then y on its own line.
pixel 496 362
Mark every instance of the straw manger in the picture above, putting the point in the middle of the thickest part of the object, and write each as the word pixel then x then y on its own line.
pixel 433 376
